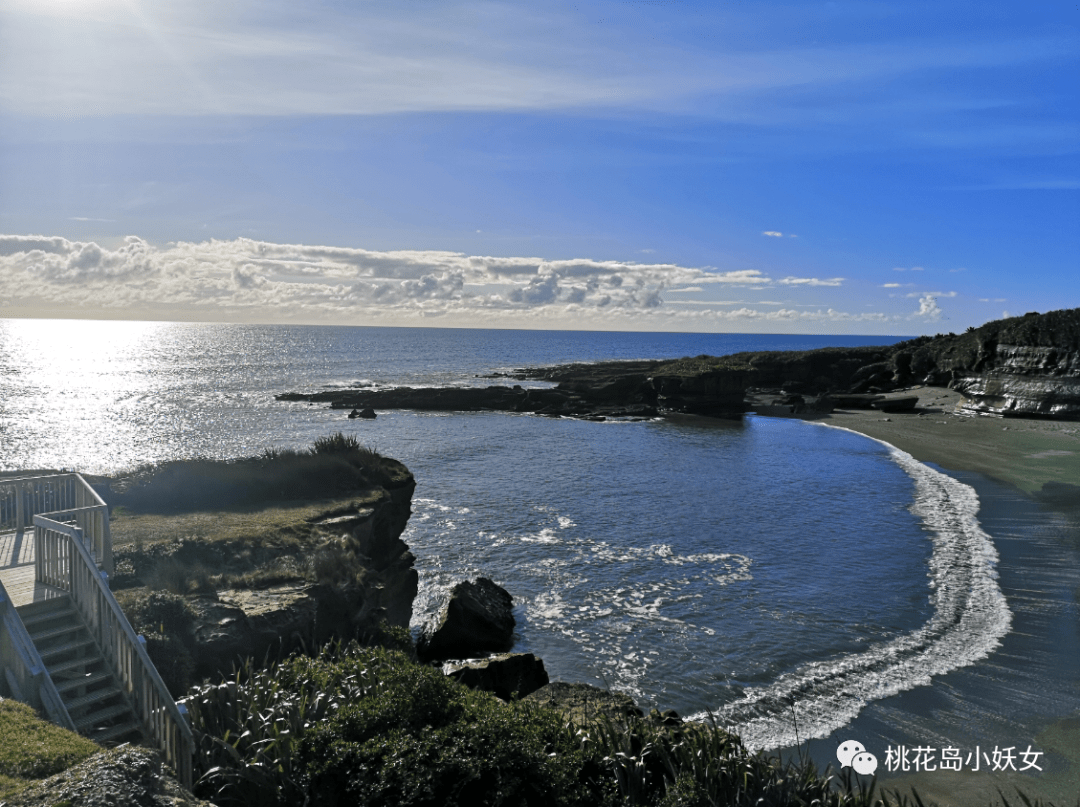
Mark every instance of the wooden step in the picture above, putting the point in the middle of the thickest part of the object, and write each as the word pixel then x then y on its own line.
pixel 116 732
pixel 94 697
pixel 85 724
pixel 52 604
pixel 41 617
pixel 52 633
pixel 73 664
pixel 67 647
pixel 83 681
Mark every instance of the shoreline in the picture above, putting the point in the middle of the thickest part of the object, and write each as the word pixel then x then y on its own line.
pixel 1039 457
pixel 1018 469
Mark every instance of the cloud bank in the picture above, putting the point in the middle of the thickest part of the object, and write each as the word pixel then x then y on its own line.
pixel 248 280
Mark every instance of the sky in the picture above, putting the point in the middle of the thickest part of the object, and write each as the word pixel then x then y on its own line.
pixel 897 167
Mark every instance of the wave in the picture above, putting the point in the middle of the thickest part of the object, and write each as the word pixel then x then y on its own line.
pixel 970 616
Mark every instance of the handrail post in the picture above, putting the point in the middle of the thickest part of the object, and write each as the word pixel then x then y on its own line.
pixel 20 507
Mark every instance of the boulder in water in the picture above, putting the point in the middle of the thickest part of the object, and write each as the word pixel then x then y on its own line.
pixel 476 619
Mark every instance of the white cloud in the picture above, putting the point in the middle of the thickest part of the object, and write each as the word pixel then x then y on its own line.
pixel 932 294
pixel 249 280
pixel 905 269
pixel 929 308
pixel 811 281
pixel 773 234
pixel 739 277
pixel 893 285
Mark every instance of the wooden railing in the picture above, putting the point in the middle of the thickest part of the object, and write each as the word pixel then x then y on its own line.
pixel 61 497
pixel 24 672
pixel 62 560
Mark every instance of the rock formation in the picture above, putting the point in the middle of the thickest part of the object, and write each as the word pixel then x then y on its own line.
pixel 583 703
pixel 128 776
pixel 504 675
pixel 1025 366
pixel 349 577
pixel 1022 366
pixel 476 619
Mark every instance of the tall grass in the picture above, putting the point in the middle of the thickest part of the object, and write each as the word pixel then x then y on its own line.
pixel 334 466
pixel 31 748
pixel 368 726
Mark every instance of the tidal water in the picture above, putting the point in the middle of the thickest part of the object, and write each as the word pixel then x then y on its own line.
pixel 734 568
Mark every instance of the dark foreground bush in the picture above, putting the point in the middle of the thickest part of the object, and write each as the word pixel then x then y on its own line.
pixel 369 726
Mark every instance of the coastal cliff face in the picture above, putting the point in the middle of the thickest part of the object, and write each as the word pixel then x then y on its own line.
pixel 1026 366
pixel 207 602
pixel 1023 366
pixel 377 587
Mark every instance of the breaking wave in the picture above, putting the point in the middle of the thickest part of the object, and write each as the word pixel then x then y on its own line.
pixel 970 616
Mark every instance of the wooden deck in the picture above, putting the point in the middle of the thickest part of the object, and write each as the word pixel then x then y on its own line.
pixel 17 569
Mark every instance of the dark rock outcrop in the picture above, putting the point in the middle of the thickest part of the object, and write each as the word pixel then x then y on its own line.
pixel 476 619
pixel 573 401
pixel 583 703
pixel 128 776
pixel 1021 366
pixel 504 675
pixel 1024 367
pixel 270 622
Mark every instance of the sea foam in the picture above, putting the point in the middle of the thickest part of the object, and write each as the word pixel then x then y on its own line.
pixel 970 617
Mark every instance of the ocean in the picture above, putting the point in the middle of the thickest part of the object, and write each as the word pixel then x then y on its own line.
pixel 790 579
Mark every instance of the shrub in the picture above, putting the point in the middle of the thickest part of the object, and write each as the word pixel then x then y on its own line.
pixel 337 443
pixel 174 576
pixel 157 612
pixel 368 726
pixel 165 620
pixel 301 728
pixel 335 465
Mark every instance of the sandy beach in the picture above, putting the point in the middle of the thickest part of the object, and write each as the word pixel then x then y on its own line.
pixel 1027 475
pixel 1024 453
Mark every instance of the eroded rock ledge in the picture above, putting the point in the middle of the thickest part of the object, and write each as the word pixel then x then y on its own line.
pixel 207 604
pixel 1023 366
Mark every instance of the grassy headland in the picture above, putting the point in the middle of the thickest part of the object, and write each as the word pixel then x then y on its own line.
pixel 32 749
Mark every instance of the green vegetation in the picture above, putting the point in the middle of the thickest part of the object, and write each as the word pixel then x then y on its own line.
pixel 31 748
pixel 198 526
pixel 335 466
pixel 165 620
pixel 177 534
pixel 370 726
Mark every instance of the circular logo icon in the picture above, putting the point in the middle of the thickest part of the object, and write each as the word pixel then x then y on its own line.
pixel 864 763
pixel 847 750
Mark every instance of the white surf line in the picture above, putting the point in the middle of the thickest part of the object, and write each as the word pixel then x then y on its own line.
pixel 970 617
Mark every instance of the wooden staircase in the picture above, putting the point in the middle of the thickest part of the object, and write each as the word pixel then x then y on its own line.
pixel 66 647
pixel 90 692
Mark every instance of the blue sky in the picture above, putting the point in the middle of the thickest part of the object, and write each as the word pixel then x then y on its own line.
pixel 814 167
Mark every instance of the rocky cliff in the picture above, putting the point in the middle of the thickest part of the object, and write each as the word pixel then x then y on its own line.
pixel 1023 366
pixel 251 582
pixel 1020 367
